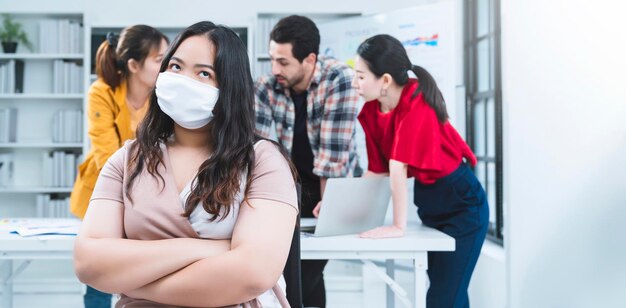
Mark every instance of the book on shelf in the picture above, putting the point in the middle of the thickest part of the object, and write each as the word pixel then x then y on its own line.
pixel 6 169
pixel 67 76
pixel 11 76
pixel 60 168
pixel 60 36
pixel 8 125
pixel 67 126
pixel 50 207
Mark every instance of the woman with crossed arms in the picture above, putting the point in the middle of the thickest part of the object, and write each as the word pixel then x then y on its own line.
pixel 176 214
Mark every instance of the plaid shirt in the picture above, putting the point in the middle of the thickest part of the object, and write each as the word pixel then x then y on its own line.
pixel 331 117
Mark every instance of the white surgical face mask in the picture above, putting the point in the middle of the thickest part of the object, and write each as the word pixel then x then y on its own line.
pixel 187 101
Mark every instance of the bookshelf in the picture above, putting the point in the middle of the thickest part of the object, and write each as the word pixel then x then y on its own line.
pixel 42 94
pixel 264 24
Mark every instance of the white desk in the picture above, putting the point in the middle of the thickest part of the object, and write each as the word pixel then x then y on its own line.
pixel 20 251
pixel 414 246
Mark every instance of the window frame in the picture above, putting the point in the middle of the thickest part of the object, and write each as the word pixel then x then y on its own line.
pixel 474 96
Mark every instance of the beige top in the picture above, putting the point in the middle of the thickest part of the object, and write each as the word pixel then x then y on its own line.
pixel 155 212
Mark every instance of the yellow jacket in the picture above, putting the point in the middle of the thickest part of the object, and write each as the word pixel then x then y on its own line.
pixel 108 120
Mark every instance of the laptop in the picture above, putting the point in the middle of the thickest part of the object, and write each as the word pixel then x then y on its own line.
pixel 351 206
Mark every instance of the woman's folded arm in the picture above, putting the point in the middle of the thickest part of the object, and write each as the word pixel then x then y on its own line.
pixel 107 261
pixel 260 245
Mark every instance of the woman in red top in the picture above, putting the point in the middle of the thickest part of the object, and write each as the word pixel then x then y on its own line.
pixel 408 135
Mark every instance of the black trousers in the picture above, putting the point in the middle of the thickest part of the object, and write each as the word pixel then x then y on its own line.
pixel 313 288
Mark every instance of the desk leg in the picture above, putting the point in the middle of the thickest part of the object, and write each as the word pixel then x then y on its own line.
pixel 390 264
pixel 6 272
pixel 421 265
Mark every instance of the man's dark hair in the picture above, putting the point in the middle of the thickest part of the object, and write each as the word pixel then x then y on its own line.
pixel 301 32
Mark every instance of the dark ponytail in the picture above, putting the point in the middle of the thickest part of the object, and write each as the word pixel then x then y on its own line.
pixel 107 66
pixel 430 91
pixel 384 54
pixel 135 42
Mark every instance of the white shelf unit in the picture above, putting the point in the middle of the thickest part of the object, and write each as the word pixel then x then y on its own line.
pixel 38 103
pixel 264 24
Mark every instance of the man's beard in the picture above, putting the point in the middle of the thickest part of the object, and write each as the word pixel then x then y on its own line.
pixel 289 83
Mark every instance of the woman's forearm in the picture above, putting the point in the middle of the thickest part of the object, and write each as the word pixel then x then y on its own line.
pixel 368 174
pixel 120 265
pixel 231 278
pixel 398 180
pixel 260 246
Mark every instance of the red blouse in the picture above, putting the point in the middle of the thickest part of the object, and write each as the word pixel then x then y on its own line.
pixel 411 133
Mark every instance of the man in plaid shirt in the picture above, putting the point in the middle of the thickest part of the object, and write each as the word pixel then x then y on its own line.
pixel 311 104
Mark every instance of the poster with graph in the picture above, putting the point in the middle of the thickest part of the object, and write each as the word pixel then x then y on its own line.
pixel 428 32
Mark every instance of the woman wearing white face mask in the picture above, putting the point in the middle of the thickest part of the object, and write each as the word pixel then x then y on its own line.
pixel 176 214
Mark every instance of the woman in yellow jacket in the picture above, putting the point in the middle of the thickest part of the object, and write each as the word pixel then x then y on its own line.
pixel 127 67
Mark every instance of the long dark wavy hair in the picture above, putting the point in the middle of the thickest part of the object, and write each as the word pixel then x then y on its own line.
pixel 231 129
pixel 384 53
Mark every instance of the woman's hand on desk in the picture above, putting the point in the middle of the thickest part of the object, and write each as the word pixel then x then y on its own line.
pixel 383 232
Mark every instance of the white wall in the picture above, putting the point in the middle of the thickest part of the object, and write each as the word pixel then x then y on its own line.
pixel 565 139
pixel 488 285
pixel 564 107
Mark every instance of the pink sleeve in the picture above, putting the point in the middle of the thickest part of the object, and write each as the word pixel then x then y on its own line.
pixel 110 181
pixel 271 177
